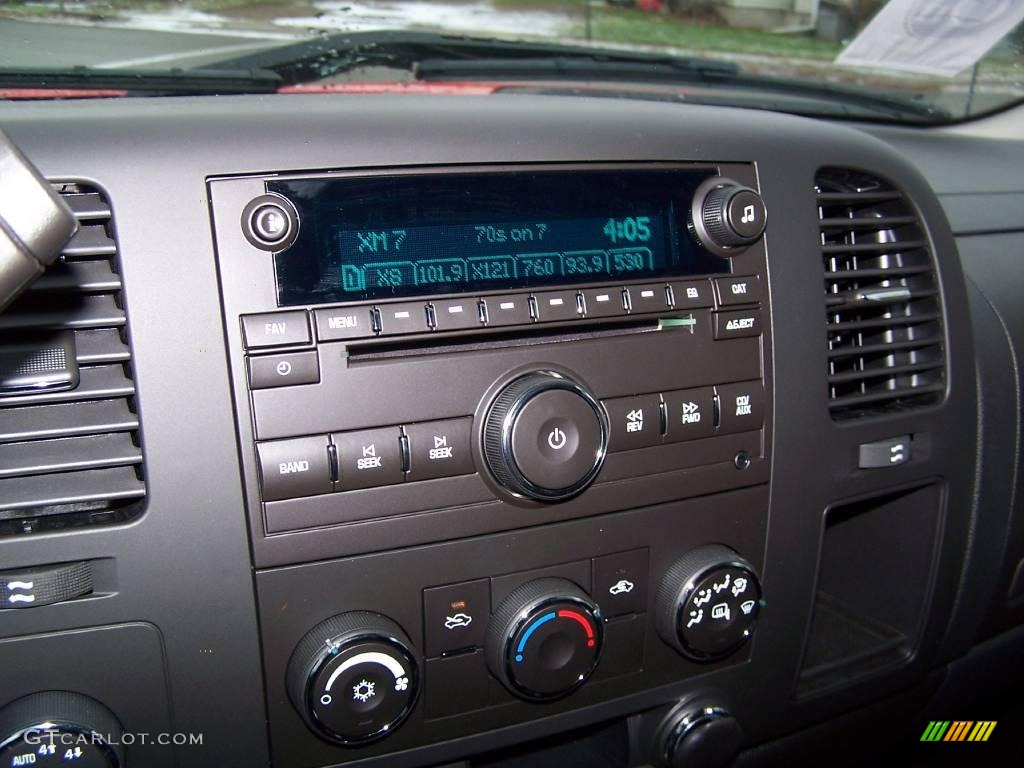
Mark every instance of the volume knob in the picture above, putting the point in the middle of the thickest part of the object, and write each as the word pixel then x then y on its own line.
pixel 545 437
pixel 726 216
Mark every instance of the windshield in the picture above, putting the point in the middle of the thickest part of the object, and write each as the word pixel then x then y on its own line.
pixel 925 61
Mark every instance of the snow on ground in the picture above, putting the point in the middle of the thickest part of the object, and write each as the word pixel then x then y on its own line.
pixel 478 17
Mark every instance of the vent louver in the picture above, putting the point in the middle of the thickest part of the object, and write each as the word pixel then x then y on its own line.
pixel 70 453
pixel 886 348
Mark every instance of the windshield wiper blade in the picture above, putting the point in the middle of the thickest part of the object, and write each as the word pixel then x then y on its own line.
pixel 325 57
pixel 174 81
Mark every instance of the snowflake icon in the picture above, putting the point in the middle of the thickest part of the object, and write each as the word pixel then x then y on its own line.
pixel 401 683
pixel 363 691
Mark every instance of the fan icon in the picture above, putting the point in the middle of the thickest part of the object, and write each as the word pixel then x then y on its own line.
pixel 363 691
pixel 401 683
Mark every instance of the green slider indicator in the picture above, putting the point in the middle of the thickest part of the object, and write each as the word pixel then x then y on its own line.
pixel 677 322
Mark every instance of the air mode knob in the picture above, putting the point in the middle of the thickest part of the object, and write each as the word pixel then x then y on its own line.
pixel 545 437
pixel 726 216
pixel 54 728
pixel 708 603
pixel 353 678
pixel 545 639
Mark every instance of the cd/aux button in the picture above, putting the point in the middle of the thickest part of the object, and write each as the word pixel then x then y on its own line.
pixel 368 458
pixel 741 406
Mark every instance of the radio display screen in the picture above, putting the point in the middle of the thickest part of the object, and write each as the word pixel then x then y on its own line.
pixel 369 238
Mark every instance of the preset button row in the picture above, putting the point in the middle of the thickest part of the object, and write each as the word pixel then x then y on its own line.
pixel 346 461
pixel 369 320
pixel 642 421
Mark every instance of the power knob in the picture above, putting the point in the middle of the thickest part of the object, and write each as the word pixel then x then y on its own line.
pixel 545 437
pixel 727 217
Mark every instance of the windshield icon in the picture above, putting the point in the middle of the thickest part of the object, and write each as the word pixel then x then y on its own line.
pixel 458 620
pixel 621 587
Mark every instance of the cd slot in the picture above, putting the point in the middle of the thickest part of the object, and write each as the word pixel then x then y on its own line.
pixel 499 338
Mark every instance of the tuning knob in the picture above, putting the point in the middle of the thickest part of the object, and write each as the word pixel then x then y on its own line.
pixel 708 603
pixel 54 728
pixel 726 216
pixel 545 639
pixel 545 437
pixel 353 678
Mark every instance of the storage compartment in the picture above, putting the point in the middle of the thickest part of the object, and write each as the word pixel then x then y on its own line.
pixel 874 577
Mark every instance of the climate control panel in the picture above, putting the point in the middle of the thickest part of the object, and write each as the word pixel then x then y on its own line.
pixel 412 647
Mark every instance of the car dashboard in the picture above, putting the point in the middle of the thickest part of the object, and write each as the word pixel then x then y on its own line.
pixel 676 433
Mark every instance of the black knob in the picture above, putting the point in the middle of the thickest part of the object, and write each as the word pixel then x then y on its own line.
pixel 545 639
pixel 708 603
pixel 726 216
pixel 270 222
pixel 545 437
pixel 353 678
pixel 693 735
pixel 54 728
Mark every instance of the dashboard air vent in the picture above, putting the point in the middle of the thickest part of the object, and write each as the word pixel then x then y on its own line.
pixel 70 453
pixel 886 349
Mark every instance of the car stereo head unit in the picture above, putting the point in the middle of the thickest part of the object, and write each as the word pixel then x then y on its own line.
pixel 495 346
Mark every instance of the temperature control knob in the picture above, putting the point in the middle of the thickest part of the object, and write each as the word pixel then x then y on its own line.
pixel 545 437
pixel 54 728
pixel 545 639
pixel 708 603
pixel 353 677
pixel 726 216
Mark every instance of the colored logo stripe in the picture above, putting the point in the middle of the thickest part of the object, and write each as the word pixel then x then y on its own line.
pixel 958 730
pixel 982 730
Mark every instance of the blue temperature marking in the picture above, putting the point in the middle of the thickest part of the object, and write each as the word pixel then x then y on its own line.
pixel 530 630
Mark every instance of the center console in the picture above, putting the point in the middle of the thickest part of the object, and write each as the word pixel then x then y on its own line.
pixel 505 440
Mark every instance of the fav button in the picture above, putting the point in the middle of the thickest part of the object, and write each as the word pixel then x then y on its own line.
pixel 689 414
pixel 292 468
pixel 276 330
pixel 620 582
pixel 456 616
pixel 369 458
pixel 633 422
pixel 439 449
pixel 741 406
